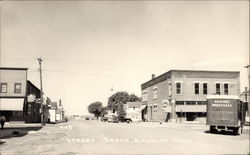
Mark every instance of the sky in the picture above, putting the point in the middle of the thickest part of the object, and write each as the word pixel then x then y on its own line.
pixel 89 47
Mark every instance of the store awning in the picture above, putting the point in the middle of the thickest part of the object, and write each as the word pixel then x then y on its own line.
pixel 142 107
pixel 11 104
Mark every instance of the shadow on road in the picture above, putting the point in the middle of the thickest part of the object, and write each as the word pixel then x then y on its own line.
pixel 222 133
pixel 16 132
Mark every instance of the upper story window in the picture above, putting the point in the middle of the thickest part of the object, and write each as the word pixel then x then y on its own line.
pixel 144 96
pixel 196 88
pixel 178 88
pixel 170 89
pixel 218 89
pixel 226 89
pixel 155 93
pixel 3 88
pixel 204 88
pixel 17 88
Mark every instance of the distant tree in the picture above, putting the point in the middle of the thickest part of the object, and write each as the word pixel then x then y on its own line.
pixel 103 111
pixel 116 102
pixel 95 108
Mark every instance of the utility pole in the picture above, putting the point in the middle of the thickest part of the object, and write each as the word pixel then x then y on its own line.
pixel 41 86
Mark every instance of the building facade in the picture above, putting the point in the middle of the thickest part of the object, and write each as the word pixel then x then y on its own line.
pixel 133 111
pixel 182 94
pixel 18 96
pixel 13 89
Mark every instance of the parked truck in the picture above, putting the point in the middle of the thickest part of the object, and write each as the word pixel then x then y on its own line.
pixel 224 112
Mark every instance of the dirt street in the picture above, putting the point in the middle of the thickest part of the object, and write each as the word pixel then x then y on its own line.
pixel 94 137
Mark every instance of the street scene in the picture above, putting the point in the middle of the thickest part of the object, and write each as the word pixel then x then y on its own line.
pixel 124 77
pixel 96 137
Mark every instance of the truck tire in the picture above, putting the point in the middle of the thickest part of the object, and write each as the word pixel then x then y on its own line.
pixel 213 129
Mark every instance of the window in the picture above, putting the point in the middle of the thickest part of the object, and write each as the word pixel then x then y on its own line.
pixel 204 88
pixel 170 89
pixel 144 96
pixel 218 88
pixel 196 88
pixel 154 93
pixel 17 88
pixel 226 88
pixel 178 88
pixel 155 107
pixel 179 103
pixel 3 88
pixel 201 103
pixel 190 103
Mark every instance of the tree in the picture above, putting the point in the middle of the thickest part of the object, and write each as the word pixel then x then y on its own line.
pixel 116 102
pixel 103 111
pixel 95 108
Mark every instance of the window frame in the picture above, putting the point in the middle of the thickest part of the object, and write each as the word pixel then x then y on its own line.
pixel 180 89
pixel 204 88
pixel 155 91
pixel 15 90
pixel 196 90
pixel 226 89
pixel 216 89
pixel 1 87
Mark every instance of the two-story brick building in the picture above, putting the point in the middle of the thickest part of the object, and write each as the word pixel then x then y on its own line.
pixel 182 93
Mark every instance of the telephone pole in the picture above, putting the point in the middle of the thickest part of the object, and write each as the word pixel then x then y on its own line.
pixel 41 86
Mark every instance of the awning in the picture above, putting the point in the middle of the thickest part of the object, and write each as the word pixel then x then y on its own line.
pixel 11 104
pixel 142 107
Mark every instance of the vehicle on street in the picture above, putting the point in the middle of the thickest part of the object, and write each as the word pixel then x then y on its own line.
pixel 127 120
pixel 104 119
pixel 113 119
pixel 224 112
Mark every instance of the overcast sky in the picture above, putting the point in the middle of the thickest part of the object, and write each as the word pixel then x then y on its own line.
pixel 88 47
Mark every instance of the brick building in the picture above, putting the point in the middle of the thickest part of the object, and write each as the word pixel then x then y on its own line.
pixel 182 93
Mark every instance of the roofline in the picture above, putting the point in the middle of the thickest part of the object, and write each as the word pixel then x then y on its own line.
pixel 13 68
pixel 176 70
pixel 33 84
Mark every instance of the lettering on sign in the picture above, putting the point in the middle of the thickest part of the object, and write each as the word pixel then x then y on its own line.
pixel 221 101
pixel 222 105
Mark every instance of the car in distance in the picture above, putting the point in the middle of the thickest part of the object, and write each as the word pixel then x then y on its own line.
pixel 104 119
pixel 127 120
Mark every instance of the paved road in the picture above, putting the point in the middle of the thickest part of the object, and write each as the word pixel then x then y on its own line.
pixel 93 137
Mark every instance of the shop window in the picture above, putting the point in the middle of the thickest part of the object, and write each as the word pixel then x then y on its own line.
pixel 154 93
pixel 178 88
pixel 179 103
pixel 196 88
pixel 190 103
pixel 218 88
pixel 3 88
pixel 201 103
pixel 204 88
pixel 17 88
pixel 226 89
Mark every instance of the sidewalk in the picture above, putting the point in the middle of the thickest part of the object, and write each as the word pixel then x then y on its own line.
pixel 19 129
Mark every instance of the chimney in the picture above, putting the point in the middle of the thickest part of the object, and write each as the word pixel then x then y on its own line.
pixel 153 76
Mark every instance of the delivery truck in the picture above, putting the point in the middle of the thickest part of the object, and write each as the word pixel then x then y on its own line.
pixel 224 112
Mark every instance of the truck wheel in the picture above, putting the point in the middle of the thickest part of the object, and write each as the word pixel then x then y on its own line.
pixel 213 129
pixel 236 131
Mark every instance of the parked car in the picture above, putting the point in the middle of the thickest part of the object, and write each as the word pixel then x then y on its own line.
pixel 128 120
pixel 113 119
pixel 104 119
